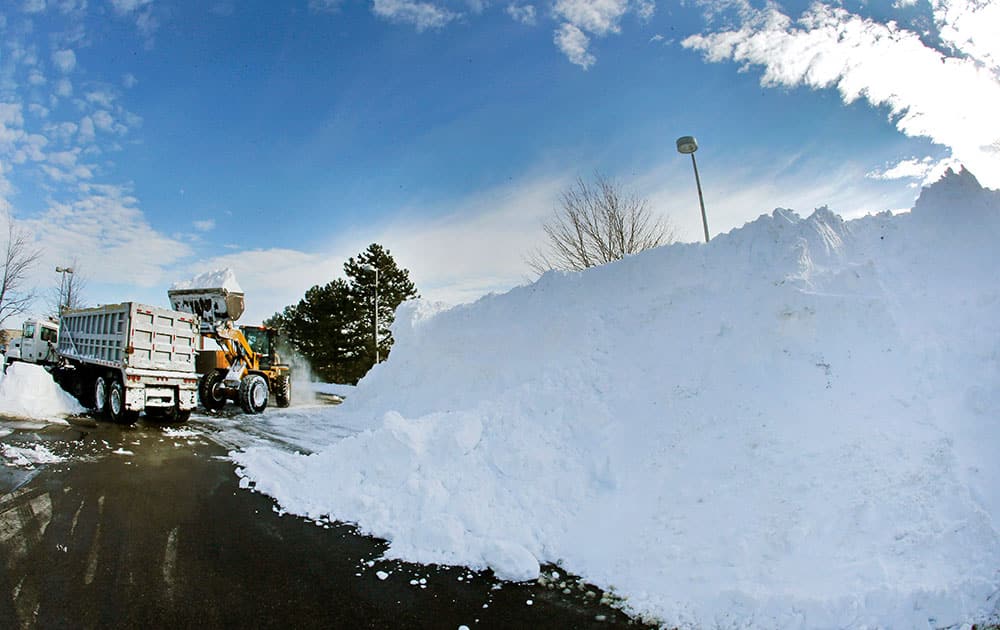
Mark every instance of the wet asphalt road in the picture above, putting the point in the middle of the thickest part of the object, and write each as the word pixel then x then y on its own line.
pixel 147 527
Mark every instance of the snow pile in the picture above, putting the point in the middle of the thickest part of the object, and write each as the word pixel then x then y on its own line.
pixel 793 426
pixel 27 390
pixel 218 279
pixel 23 457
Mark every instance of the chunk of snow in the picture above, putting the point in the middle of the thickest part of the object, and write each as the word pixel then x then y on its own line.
pixel 217 279
pixel 24 457
pixel 793 425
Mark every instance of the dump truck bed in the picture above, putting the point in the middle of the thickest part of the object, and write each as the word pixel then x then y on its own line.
pixel 130 335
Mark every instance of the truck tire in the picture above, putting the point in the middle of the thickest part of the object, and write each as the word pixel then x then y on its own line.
pixel 253 393
pixel 283 391
pixel 210 392
pixel 99 400
pixel 116 404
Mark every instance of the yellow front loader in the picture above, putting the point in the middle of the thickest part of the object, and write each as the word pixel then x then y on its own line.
pixel 245 368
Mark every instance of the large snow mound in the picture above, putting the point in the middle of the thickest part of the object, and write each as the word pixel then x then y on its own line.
pixel 792 426
pixel 28 391
pixel 217 279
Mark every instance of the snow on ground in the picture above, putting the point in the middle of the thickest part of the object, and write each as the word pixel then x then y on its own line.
pixel 23 457
pixel 28 391
pixel 792 426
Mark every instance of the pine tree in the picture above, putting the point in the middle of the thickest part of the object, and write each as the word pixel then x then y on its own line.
pixel 333 326
pixel 394 287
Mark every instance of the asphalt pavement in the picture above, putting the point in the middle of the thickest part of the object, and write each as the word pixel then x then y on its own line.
pixel 147 527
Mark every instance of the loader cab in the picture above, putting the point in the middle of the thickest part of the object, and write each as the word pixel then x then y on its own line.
pixel 263 341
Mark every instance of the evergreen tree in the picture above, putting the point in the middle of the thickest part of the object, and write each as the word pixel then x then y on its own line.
pixel 333 326
pixel 394 287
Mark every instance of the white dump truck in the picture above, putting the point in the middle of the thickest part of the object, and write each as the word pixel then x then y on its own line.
pixel 120 359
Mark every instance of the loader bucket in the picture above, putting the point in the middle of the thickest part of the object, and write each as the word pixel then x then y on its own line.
pixel 210 305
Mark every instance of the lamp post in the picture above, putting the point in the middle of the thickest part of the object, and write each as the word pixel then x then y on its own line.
pixel 375 269
pixel 64 288
pixel 687 144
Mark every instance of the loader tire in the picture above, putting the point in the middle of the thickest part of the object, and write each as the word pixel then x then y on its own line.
pixel 253 393
pixel 283 391
pixel 210 392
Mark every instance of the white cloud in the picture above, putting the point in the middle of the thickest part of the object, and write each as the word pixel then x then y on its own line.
pixel 645 9
pixel 599 17
pixel 205 226
pixel 926 170
pixel 101 98
pixel 62 132
pixel 103 228
pixel 951 100
pixel 525 14
pixel 71 6
pixel 33 6
pixel 87 133
pixel 128 6
pixel 129 80
pixel 39 111
pixel 64 60
pixel 35 77
pixel 477 248
pixel 325 6
pixel 971 27
pixel 30 148
pixel 422 15
pixel 64 88
pixel 573 43
pixel 904 169
pixel 11 125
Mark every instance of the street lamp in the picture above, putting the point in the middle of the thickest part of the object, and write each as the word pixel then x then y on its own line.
pixel 375 269
pixel 64 288
pixel 687 144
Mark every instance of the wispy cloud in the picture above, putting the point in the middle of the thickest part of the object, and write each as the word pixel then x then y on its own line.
pixel 523 13
pixel 951 100
pixel 64 60
pixel 476 248
pixel 922 171
pixel 594 17
pixel 104 227
pixel 325 6
pixel 205 226
pixel 422 15
pixel 574 44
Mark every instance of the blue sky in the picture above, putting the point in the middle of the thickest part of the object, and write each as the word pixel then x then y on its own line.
pixel 150 140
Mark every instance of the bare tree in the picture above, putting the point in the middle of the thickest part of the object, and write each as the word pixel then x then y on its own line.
pixel 18 256
pixel 595 224
pixel 69 292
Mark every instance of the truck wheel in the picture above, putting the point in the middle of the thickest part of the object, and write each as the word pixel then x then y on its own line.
pixel 211 392
pixel 253 393
pixel 283 391
pixel 100 399
pixel 116 405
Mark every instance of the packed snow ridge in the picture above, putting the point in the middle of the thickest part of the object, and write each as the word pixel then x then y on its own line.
pixel 794 425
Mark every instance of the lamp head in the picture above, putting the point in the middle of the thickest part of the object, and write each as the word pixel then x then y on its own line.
pixel 687 144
